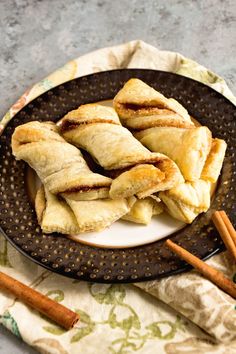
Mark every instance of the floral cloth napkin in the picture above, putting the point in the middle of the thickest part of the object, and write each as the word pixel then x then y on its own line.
pixel 123 319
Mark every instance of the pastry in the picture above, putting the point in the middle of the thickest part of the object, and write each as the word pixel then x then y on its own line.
pixel 72 217
pixel 143 210
pixel 53 214
pixel 60 165
pixel 96 215
pixel 185 201
pixel 163 125
pixel 189 148
pixel 143 180
pixel 97 130
pixel 136 100
pixel 214 161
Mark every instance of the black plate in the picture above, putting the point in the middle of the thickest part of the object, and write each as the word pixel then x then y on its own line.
pixel 66 257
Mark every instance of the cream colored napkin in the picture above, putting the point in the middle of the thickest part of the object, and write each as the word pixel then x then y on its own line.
pixel 121 318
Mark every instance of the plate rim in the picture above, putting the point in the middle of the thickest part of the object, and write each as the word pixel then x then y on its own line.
pixel 117 70
pixel 184 267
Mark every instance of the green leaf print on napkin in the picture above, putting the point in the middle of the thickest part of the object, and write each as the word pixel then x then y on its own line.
pixel 195 71
pixel 113 294
pixel 9 322
pixel 125 323
pixel 56 330
pixel 4 261
pixel 46 84
pixel 132 336
pixel 135 340
pixel 164 329
pixel 56 295
pixel 85 330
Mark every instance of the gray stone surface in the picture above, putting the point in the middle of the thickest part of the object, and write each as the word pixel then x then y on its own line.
pixel 36 37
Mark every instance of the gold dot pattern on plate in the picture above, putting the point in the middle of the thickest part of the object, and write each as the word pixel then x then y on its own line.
pixel 59 254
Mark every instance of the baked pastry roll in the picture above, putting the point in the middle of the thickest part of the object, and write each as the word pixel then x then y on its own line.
pixel 96 215
pixel 137 100
pixel 163 125
pixel 143 210
pixel 187 200
pixel 60 166
pixel 143 180
pixel 214 161
pixel 97 130
pixel 53 214
pixel 73 217
pixel 189 148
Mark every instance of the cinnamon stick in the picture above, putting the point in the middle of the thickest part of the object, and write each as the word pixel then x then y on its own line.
pixel 224 233
pixel 212 274
pixel 228 225
pixel 53 310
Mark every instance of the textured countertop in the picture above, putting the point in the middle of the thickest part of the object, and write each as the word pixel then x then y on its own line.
pixel 38 36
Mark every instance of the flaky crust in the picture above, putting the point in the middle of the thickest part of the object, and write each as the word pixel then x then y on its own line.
pixel 136 99
pixel 59 165
pixel 214 161
pixel 115 148
pixel 54 215
pixel 72 217
pixel 143 210
pixel 189 148
pixel 135 181
pixel 142 180
pixel 40 204
pixel 163 125
pixel 96 215
pixel 83 115
pixel 185 201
